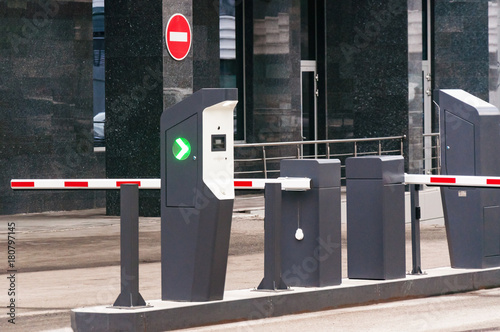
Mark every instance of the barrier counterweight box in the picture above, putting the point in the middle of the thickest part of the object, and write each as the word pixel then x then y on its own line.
pixel 375 217
pixel 470 145
pixel 315 260
pixel 197 194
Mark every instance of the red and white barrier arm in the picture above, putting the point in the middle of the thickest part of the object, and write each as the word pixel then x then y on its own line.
pixel 453 180
pixel 289 184
pixel 83 183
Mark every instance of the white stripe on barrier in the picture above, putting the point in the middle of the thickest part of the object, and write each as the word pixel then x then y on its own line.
pixel 453 180
pixel 289 184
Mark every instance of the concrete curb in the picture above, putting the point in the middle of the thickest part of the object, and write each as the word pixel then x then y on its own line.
pixel 243 305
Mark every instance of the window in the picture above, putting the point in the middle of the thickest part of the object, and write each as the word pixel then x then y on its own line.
pixel 231 64
pixel 98 72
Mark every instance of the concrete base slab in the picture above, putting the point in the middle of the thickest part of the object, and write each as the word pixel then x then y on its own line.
pixel 249 304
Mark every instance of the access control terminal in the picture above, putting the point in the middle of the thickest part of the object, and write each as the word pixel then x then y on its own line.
pixel 197 194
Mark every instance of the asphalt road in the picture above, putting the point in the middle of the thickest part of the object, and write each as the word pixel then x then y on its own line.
pixel 475 311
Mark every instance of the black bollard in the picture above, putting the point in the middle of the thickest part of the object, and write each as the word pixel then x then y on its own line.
pixel 129 247
pixel 272 239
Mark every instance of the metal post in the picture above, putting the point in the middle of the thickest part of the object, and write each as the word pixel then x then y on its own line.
pixel 272 239
pixel 438 153
pixel 402 144
pixel 415 229
pixel 129 247
pixel 265 162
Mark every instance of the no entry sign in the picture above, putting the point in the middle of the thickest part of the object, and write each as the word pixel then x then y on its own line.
pixel 178 36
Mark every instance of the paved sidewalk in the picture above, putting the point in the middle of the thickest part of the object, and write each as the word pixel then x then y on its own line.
pixel 70 259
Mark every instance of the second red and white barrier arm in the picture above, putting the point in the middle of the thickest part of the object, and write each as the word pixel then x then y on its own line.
pixel 289 184
pixel 453 180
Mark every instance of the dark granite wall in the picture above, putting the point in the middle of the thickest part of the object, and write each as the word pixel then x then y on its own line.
pixel 206 61
pixel 142 80
pixel 461 46
pixel 367 68
pixel 177 75
pixel 133 96
pixel 494 52
pixel 200 68
pixel 276 71
pixel 46 81
pixel 46 103
pixel 460 58
pixel 416 90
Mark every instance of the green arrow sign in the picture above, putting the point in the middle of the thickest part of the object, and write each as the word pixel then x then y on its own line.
pixel 181 148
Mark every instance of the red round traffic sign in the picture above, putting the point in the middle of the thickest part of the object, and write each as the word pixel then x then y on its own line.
pixel 178 36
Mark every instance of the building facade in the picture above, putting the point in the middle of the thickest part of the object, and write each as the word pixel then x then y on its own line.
pixel 305 70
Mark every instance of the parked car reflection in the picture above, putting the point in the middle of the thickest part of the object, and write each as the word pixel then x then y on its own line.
pixel 99 119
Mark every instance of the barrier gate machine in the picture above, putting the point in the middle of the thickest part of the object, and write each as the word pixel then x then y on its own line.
pixel 470 136
pixel 197 194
